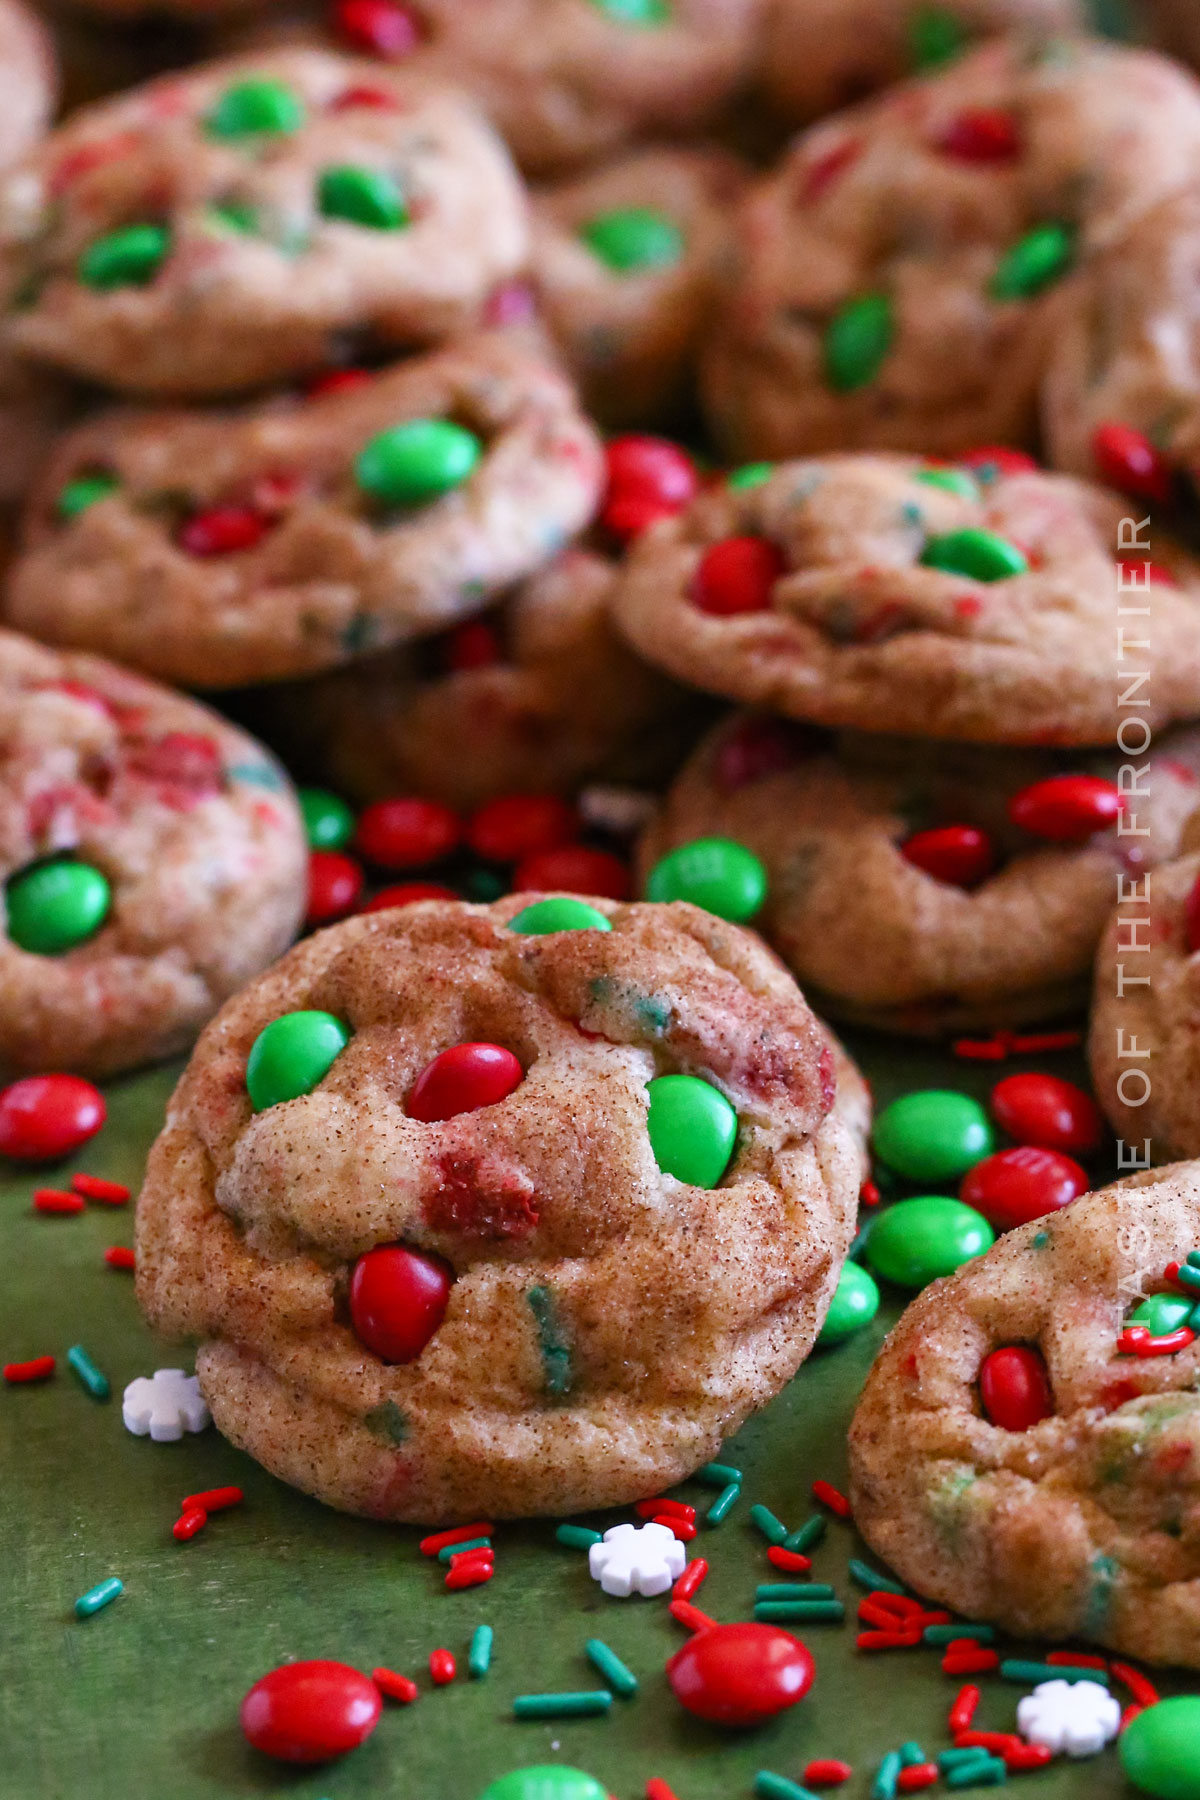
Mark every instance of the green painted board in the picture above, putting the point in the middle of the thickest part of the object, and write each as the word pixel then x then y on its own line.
pixel 141 1702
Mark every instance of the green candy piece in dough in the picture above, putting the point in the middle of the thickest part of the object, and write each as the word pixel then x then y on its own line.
pixel 980 555
pixel 857 341
pixel 716 873
pixel 854 1305
pixel 255 109
pixel 646 13
pixel 933 1135
pixel 292 1055
pixel 84 491
pixel 954 481
pixel 130 257
pixel 417 462
pixel 367 197
pixel 692 1128
pixel 633 238
pixel 750 475
pixel 1034 263
pixel 54 906
pixel 1160 1749
pixel 916 1241
pixel 545 916
pixel 935 37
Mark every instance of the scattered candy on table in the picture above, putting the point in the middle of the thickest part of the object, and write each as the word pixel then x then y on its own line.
pixel 310 1712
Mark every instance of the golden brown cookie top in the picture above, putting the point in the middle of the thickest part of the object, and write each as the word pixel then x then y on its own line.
pixel 225 227
pixel 947 602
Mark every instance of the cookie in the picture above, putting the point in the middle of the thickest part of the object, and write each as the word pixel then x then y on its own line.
pixel 887 925
pixel 1084 1523
pixel 28 79
pixel 540 695
pixel 214 548
pixel 153 860
pixel 902 270
pixel 1122 391
pixel 566 82
pixel 245 221
pixel 600 1324
pixel 1144 1035
pixel 820 55
pixel 626 265
pixel 869 591
pixel 34 405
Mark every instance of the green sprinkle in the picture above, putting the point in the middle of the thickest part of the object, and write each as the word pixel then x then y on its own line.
pixel 773 1529
pixel 935 37
pixel 725 1500
pixel 1034 263
pixel 980 555
pixel 577 1537
pixel 989 1771
pixel 1030 1673
pixel 911 1754
pixel 750 475
pixel 1189 1276
pixel 234 216
pixel 946 1634
pixel 449 1550
pixel 635 12
pixel 953 481
pixel 103 1594
pixel 83 492
pixel 556 1352
pixel 611 1667
pixel 366 197
pixel 793 1590
pixel 778 1611
pixel 776 1787
pixel 633 238
pixel 950 1760
pixel 871 1579
pixel 255 109
pixel 562 1706
pixel 479 1658
pixel 808 1534
pixel 130 257
pixel 888 1774
pixel 857 340
pixel 94 1380
pixel 387 1420
pixel 719 1475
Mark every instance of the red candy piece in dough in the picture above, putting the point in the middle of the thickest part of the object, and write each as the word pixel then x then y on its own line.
pixel 462 1079
pixel 982 135
pixel 1015 1388
pixel 222 531
pixel 398 1299
pixel 737 575
pixel 381 27
pixel 959 855
pixel 310 1712
pixel 740 1674
pixel 1066 809
pixel 1014 1186
pixel 649 478
pixel 1126 459
pixel 1044 1110
pixel 45 1117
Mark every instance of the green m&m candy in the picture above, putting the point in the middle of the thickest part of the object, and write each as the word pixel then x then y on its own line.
pixel 635 12
pixel 1162 1314
pixel 419 461
pixel 857 340
pixel 545 1781
pixel 55 905
pixel 130 257
pixel 634 238
pixel 1034 263
pixel 328 821
pixel 83 492
pixel 854 1304
pixel 936 36
pixel 255 109
pixel 559 914
pixel 716 873
pixel 934 1135
pixel 953 481
pixel 981 555
pixel 367 197
pixel 750 475
pixel 1160 1749
pixel 916 1241
pixel 692 1127
pixel 291 1055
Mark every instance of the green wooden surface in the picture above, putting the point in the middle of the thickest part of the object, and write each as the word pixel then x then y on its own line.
pixel 140 1702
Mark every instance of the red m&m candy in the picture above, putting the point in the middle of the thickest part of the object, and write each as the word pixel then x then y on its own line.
pixel 573 869
pixel 45 1117
pixel 1044 1110
pixel 1015 1388
pixel 1066 809
pixel 1126 459
pixel 222 531
pixel 398 1298
pixel 737 575
pixel 462 1079
pixel 382 27
pixel 309 1712
pixel 335 883
pixel 959 855
pixel 982 135
pixel 519 825
pixel 1014 1186
pixel 649 478
pixel 407 833
pixel 407 893
pixel 740 1674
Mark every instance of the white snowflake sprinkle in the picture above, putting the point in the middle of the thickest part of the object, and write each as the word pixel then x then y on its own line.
pixel 164 1405
pixel 1078 1717
pixel 636 1559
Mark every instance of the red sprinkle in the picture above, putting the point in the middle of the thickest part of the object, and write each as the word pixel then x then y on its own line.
pixel 737 575
pixel 213 1499
pixel 573 869
pixel 94 1187
pixel 119 1256
pixel 982 135
pixel 458 1534
pixel 1137 1341
pixel 54 1200
pixel 407 833
pixel 337 381
pixel 1139 1685
pixel 917 1777
pixel 188 1524
pixel 394 1686
pixel 888 1639
pixel 362 95
pixel 868 1194
pixel 829 1496
pixel 690 1615
pixel 335 885
pixel 683 1531
pixel 692 1579
pixel 517 826
pixel 45 1117
pixel 40 1368
pixel 826 1771
pixel 1071 1659
pixel 1126 459
pixel 658 1509
pixel 442 1667
pixel 222 531
pixel 469 1572
pixel 979 1661
pixel 963 1709
pixel 1021 1756
pixel 996 459
pixel 792 1562
pixel 1037 1043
